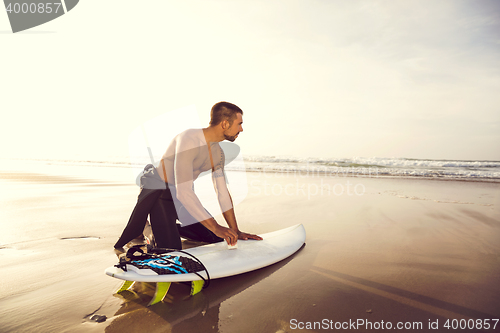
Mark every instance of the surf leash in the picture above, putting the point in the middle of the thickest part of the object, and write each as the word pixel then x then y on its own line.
pixel 136 256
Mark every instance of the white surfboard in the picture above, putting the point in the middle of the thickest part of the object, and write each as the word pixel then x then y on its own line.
pixel 219 260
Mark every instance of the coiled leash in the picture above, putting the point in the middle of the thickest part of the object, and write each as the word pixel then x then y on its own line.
pixel 158 260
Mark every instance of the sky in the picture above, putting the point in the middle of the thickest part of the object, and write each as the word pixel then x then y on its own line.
pixel 316 78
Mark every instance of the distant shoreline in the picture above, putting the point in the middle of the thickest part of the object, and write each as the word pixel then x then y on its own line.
pixel 477 171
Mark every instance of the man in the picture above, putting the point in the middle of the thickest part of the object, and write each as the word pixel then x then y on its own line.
pixel 167 191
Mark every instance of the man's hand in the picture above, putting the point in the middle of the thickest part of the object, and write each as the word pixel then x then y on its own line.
pixel 245 236
pixel 229 235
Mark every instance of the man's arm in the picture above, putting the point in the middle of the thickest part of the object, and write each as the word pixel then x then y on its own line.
pixel 186 152
pixel 225 200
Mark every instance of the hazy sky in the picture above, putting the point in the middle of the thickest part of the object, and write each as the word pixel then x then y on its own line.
pixel 417 79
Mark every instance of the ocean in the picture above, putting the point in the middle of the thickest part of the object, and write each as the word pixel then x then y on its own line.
pixel 380 167
pixel 488 171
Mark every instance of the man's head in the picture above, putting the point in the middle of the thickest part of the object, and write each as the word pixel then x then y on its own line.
pixel 229 118
pixel 224 111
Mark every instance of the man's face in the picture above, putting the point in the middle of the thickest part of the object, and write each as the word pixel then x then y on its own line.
pixel 232 132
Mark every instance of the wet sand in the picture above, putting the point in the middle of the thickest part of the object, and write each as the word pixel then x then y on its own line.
pixel 377 249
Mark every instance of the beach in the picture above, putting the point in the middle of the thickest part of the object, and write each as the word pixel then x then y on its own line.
pixel 381 253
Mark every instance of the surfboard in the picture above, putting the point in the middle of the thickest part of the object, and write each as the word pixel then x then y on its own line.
pixel 217 259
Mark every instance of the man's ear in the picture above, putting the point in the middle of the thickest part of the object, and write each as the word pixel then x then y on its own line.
pixel 225 124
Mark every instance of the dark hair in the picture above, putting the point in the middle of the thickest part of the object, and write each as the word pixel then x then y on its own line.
pixel 223 111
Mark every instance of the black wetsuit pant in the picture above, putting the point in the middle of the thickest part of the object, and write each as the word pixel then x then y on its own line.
pixel 159 205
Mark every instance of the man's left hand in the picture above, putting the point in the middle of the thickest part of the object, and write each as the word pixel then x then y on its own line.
pixel 245 236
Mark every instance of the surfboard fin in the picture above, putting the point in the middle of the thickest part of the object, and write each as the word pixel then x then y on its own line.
pixel 125 286
pixel 196 287
pixel 161 291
